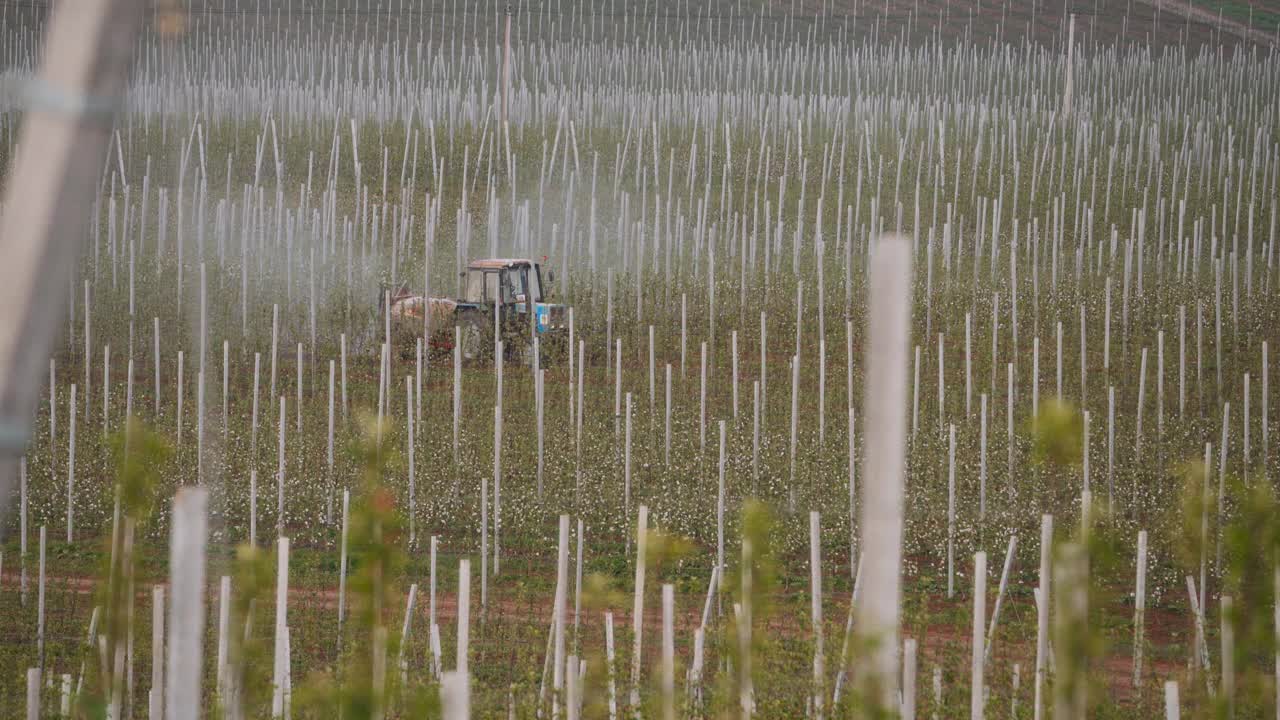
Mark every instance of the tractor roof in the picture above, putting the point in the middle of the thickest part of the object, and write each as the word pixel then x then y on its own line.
pixel 497 263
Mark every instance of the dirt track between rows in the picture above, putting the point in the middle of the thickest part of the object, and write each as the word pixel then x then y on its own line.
pixel 937 640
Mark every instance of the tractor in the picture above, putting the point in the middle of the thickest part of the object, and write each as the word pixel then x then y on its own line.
pixel 498 289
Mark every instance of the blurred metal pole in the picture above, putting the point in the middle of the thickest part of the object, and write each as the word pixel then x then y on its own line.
pixel 66 131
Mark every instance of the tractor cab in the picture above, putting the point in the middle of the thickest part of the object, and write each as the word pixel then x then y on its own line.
pixel 512 285
pixel 507 282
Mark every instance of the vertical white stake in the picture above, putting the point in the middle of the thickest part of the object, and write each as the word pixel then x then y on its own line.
pixel 1058 361
pixel 702 403
pixel 226 376
pixel 106 389
pixel 253 441
pixel 853 488
pixel 1042 612
pixel 1017 685
pixel 652 376
pixel 405 628
pixel 558 621
pixel 666 427
pixel 541 395
pixel 1182 361
pixel 497 485
pixel 1111 448
pixel 915 398
pixel 200 427
pixel 1244 462
pixel 755 434
pixel 431 580
pixel 937 687
pixel 1084 361
pixel 40 601
pixel 457 389
pixel 455 694
pixel 253 508
pixel 71 470
pixel 22 522
pixel 342 564
pixel 181 393
pixel 979 625
pixel 795 413
pixel 982 457
pixel 282 622
pixel 888 329
pixel 1160 384
pixel 1222 480
pixel 571 687
pixel 1266 418
pixel 577 587
pixel 53 404
pixel 951 513
pixel 909 679
pixel 637 613
pixel 815 602
pixel 1035 376
pixel 464 617
pixel 275 345
pixel 608 644
pixel 186 612
pixel 720 503
pixel 1140 607
pixel 280 470
pixel 1142 392
pixel 733 342
pixel 1004 583
pixel 342 352
pixel 224 626
pixel 968 364
pixel 626 462
pixel 33 693
pixel 298 385
pixel 328 514
pixel 157 649
pixel 942 396
pixel 668 653
pixel 684 331
pixel 1106 332
pixel 1172 708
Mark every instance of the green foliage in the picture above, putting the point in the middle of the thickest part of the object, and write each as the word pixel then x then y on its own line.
pixel 249 659
pixel 759 564
pixel 1082 645
pixel 138 454
pixel 1058 432
pixel 1196 507
pixel 599 593
pixel 664 548
pixel 1250 543
pixel 368 680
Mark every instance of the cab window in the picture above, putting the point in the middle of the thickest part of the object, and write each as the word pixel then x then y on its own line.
pixel 535 286
pixel 517 281
pixel 482 286
pixel 491 280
